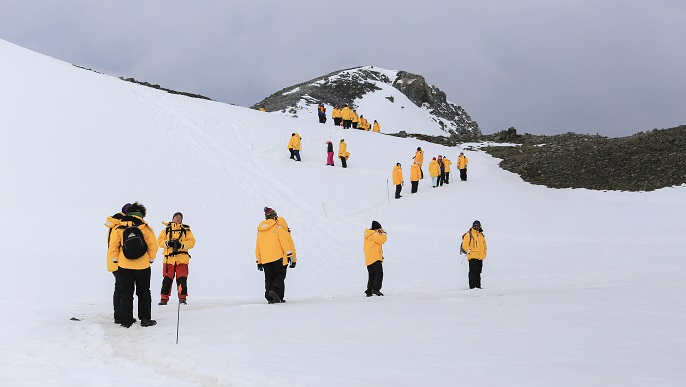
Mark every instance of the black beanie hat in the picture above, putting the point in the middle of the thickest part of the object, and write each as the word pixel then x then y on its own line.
pixel 375 225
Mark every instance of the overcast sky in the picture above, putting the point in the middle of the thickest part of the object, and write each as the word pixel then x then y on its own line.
pixel 545 67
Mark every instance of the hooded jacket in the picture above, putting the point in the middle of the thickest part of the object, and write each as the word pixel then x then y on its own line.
pixel 272 242
pixel 336 113
pixel 294 142
pixel 462 162
pixel 343 150
pixel 115 250
pixel 372 246
pixel 397 175
pixel 111 223
pixel 346 113
pixel 183 233
pixel 354 117
pixel 474 243
pixel 419 157
pixel 415 173
pixel 376 127
pixel 434 168
pixel 447 163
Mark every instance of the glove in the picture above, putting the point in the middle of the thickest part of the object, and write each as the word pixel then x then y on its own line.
pixel 292 265
pixel 259 267
pixel 151 262
pixel 114 259
pixel 469 251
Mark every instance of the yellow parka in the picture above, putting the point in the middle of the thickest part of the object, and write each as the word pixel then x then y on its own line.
pixel 462 162
pixel 346 113
pixel 294 142
pixel 419 157
pixel 336 113
pixel 415 173
pixel 363 124
pixel 373 239
pixel 111 223
pixel 474 243
pixel 376 128
pixel 354 117
pixel 291 246
pixel 183 233
pixel 397 175
pixel 446 164
pixel 343 150
pixel 115 250
pixel 272 242
pixel 434 168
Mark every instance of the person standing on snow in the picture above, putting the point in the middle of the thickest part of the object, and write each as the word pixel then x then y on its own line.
pixel 329 153
pixel 336 115
pixel 374 237
pixel 419 159
pixel 111 223
pixel 462 166
pixel 434 172
pixel 271 246
pixel 441 173
pixel 321 112
pixel 176 239
pixel 474 245
pixel 398 179
pixel 134 273
pixel 294 146
pixel 376 127
pixel 343 153
pixel 289 260
pixel 414 177
pixel 446 164
pixel 355 119
pixel 347 116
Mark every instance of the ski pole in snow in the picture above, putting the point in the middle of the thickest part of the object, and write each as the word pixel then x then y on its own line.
pixel 388 192
pixel 324 207
pixel 178 313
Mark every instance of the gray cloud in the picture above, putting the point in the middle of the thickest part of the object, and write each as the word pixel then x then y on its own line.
pixel 608 67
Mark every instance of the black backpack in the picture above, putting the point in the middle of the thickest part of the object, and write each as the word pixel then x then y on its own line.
pixel 133 242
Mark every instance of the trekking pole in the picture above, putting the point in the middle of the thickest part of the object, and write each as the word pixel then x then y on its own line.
pixel 388 192
pixel 178 313
pixel 324 207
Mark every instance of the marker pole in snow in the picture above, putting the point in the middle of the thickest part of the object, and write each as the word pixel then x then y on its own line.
pixel 388 192
pixel 178 313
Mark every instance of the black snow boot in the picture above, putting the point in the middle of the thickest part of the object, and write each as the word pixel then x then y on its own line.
pixel 148 323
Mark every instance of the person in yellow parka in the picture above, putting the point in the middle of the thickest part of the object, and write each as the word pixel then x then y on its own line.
pixel 176 239
pixel 134 272
pixel 343 153
pixel 336 116
pixel 446 166
pixel 434 172
pixel 347 116
pixel 419 159
pixel 355 119
pixel 272 245
pixel 398 179
pixel 376 127
pixel 289 260
pixel 111 223
pixel 374 237
pixel 294 146
pixel 414 177
pixel 462 166
pixel 474 245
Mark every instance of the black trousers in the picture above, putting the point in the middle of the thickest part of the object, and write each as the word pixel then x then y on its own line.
pixel 463 174
pixel 415 186
pixel 292 154
pixel 337 121
pixel 441 178
pixel 129 280
pixel 375 279
pixel 475 266
pixel 398 188
pixel 344 162
pixel 274 276
pixel 447 178
pixel 116 296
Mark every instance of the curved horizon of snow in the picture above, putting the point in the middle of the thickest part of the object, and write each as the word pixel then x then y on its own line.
pixel 574 279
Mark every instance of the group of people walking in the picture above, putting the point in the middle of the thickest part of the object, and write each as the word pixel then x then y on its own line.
pixel 439 170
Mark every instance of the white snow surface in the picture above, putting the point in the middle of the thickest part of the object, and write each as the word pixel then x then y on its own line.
pixel 580 287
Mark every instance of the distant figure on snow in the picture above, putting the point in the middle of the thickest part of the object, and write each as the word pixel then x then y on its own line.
pixel 434 172
pixel 374 237
pixel 336 116
pixel 321 112
pixel 343 153
pixel 441 173
pixel 474 245
pixel 271 246
pixel 419 159
pixel 462 166
pixel 347 116
pixel 176 239
pixel 294 146
pixel 446 164
pixel 329 153
pixel 263 109
pixel 376 127
pixel 414 177
pixel 398 179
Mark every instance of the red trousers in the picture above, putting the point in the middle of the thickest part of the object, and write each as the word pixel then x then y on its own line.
pixel 180 270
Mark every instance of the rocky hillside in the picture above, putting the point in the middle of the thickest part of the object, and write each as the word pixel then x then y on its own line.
pixel 645 161
pixel 351 86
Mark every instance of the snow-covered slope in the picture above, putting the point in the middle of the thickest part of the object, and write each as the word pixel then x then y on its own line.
pixel 580 287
